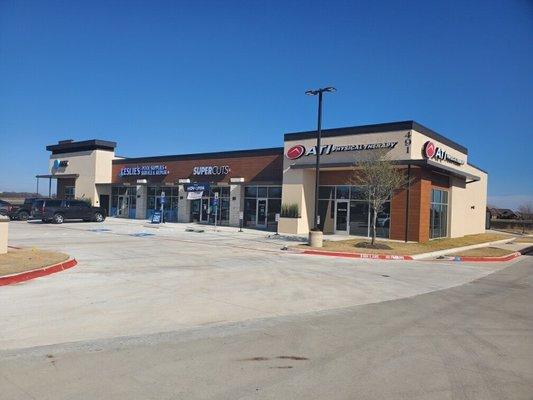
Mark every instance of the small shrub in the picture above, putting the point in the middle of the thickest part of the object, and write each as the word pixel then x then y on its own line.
pixel 290 211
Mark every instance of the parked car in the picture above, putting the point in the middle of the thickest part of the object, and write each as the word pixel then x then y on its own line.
pixel 24 211
pixel 383 219
pixel 5 207
pixel 58 211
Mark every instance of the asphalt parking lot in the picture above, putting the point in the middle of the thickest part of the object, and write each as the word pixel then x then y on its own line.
pixel 135 279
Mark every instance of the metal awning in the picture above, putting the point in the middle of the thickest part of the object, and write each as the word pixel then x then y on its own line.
pixel 50 177
pixel 422 163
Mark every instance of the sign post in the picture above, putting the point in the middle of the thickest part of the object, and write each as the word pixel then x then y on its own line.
pixel 215 204
pixel 277 224
pixel 163 200
pixel 241 219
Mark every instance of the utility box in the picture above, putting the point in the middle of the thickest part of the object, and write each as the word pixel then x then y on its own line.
pixel 4 227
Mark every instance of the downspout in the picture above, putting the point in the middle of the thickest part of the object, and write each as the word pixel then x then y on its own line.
pixel 407 202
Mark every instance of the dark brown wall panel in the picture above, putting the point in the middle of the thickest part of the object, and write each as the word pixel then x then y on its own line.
pixel 264 168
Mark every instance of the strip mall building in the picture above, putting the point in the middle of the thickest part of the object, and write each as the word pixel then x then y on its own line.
pixel 446 196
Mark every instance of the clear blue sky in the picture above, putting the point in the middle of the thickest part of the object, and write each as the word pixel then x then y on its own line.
pixel 177 77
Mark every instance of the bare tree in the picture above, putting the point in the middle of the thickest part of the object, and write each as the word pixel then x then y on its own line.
pixel 378 178
pixel 526 213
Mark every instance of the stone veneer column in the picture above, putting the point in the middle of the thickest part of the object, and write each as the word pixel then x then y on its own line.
pixel 141 202
pixel 237 205
pixel 184 205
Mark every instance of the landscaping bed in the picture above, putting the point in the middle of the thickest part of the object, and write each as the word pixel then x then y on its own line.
pixel 483 252
pixel 402 248
pixel 20 260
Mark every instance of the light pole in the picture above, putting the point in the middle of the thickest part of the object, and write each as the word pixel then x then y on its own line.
pixel 318 92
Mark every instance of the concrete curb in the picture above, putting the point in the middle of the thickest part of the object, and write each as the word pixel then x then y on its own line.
pixel 36 273
pixel 438 253
pixel 508 257
pixel 357 255
pixel 423 255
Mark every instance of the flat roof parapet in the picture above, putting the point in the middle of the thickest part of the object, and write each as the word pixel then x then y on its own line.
pixel 378 128
pixel 70 146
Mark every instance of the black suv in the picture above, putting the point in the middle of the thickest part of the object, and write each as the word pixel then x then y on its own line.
pixel 23 212
pixel 58 211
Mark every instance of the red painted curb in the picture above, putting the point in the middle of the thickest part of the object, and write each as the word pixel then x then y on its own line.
pixel 357 255
pixel 36 273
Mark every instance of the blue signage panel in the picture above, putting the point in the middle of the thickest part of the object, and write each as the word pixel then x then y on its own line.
pixel 196 187
pixel 215 202
pixel 156 217
pixel 144 170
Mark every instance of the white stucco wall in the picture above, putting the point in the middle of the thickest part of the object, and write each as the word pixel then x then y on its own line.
pixel 468 202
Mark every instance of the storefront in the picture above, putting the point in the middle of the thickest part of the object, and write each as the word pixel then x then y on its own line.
pixel 274 189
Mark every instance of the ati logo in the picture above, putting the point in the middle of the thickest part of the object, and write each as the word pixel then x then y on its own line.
pixel 430 149
pixel 295 152
pixel 437 153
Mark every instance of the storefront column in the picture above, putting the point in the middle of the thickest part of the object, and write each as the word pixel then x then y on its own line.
pixel 141 202
pixel 236 204
pixel 184 205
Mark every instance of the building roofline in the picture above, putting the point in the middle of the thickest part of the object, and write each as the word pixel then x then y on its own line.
pixel 476 167
pixel 377 128
pixel 84 145
pixel 194 156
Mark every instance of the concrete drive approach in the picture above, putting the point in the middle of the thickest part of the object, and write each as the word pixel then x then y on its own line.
pixel 473 341
pixel 444 334
pixel 132 279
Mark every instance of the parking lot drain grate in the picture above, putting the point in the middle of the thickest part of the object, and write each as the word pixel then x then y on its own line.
pixel 142 234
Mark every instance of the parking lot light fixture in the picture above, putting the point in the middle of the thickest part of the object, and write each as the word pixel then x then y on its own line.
pixel 319 92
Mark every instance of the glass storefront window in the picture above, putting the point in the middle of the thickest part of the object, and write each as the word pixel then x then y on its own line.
pixel 123 201
pixel 259 200
pixel 69 193
pixel 438 218
pixel 326 192
pixel 170 207
pixel 203 210
pixel 383 221
pixel 274 192
pixel 343 192
pixel 353 218
pixel 356 193
pixel 249 212
pixel 250 191
pixel 262 192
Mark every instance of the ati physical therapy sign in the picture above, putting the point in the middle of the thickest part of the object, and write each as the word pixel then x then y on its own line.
pixel 299 150
pixel 144 170
pixel 431 151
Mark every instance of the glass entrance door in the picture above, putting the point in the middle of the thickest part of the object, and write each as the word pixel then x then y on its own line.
pixel 341 217
pixel 205 210
pixel 196 206
pixel 122 207
pixel 261 213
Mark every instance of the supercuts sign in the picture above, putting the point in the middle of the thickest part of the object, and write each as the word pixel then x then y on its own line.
pixel 144 170
pixel 211 170
pixel 299 150
pixel 431 151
